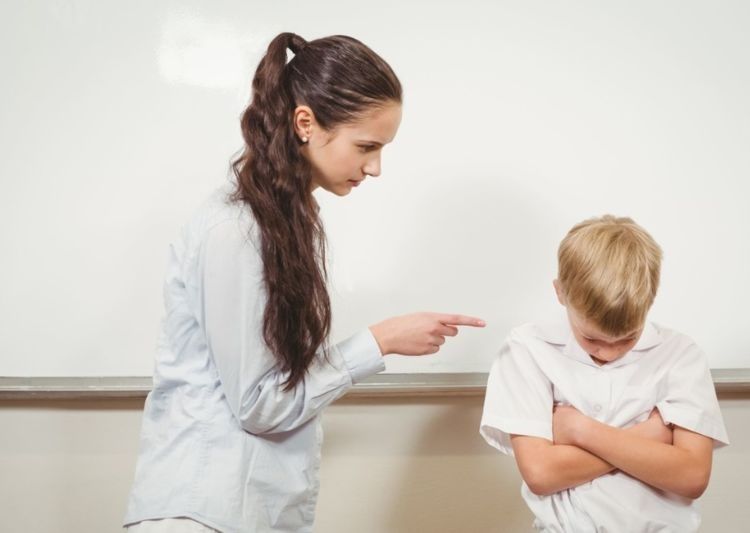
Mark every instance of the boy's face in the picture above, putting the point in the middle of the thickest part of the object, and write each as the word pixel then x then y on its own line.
pixel 602 348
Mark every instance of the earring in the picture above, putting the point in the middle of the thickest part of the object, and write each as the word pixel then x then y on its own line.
pixel 304 140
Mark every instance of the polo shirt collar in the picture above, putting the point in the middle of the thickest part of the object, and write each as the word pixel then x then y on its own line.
pixel 558 332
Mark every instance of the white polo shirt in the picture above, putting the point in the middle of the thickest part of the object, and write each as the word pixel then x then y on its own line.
pixel 542 365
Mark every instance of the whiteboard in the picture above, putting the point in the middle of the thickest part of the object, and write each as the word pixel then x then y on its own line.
pixel 520 119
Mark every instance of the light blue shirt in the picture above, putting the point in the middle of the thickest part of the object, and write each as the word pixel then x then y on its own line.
pixel 222 442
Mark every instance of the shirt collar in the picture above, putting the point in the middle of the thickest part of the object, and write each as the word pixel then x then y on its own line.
pixel 649 338
pixel 558 332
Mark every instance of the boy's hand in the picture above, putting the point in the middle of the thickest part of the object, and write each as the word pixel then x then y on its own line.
pixel 653 428
pixel 567 424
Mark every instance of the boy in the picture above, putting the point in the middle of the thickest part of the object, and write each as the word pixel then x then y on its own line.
pixel 612 419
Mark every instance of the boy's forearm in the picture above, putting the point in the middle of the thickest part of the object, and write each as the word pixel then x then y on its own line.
pixel 548 468
pixel 573 466
pixel 664 466
pixel 558 466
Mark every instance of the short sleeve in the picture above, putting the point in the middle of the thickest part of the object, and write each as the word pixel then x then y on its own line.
pixel 519 397
pixel 690 401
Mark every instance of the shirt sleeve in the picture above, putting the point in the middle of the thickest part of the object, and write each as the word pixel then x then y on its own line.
pixel 233 300
pixel 690 401
pixel 518 399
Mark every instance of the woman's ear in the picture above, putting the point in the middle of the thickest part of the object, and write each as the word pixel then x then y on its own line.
pixel 304 121
pixel 559 292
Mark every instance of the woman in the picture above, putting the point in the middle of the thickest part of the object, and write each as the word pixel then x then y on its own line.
pixel 231 434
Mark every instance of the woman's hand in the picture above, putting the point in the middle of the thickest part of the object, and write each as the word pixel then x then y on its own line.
pixel 419 333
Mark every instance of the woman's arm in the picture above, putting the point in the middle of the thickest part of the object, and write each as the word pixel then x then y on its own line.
pixel 548 467
pixel 683 467
pixel 419 333
pixel 231 314
pixel 266 407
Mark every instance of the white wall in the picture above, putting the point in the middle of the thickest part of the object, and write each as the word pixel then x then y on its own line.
pixel 390 466
pixel 521 117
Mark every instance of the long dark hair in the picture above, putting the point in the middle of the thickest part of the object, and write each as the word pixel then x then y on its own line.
pixel 340 79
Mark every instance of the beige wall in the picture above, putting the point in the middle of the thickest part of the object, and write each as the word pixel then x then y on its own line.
pixel 390 465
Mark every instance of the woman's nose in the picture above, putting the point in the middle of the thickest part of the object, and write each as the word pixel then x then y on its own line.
pixel 372 167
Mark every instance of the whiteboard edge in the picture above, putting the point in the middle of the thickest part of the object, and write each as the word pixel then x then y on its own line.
pixel 380 385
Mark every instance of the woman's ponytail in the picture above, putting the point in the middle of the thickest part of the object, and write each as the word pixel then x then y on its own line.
pixel 339 78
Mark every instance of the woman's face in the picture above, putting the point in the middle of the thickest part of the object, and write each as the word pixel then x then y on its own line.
pixel 343 157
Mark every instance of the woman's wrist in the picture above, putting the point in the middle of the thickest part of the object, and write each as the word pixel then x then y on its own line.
pixel 379 336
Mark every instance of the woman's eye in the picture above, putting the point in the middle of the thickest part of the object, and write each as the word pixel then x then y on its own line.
pixel 366 148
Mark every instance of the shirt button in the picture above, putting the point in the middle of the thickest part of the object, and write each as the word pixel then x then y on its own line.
pixel 597 408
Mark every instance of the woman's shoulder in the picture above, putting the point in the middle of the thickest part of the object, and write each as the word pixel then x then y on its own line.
pixel 219 221
pixel 221 214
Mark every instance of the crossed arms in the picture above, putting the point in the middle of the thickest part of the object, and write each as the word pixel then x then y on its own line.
pixel 675 460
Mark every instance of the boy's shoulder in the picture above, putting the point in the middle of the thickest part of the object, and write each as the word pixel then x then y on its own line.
pixel 555 332
pixel 538 340
pixel 677 349
pixel 672 339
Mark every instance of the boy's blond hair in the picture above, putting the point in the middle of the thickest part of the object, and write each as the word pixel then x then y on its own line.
pixel 608 270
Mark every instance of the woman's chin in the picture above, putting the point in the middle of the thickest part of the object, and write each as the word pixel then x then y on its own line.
pixel 341 190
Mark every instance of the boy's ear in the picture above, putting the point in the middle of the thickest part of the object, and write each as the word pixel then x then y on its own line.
pixel 559 292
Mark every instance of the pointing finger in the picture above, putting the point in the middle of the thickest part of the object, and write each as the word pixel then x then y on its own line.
pixel 461 320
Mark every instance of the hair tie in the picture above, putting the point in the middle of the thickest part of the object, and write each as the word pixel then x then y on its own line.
pixel 296 44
